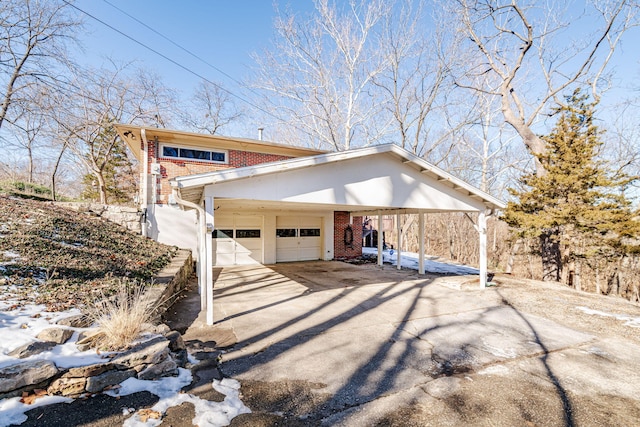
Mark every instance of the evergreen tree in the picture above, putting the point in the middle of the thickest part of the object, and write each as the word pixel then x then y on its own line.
pixel 575 208
pixel 113 167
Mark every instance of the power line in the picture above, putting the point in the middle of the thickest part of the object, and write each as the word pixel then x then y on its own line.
pixel 184 49
pixel 267 112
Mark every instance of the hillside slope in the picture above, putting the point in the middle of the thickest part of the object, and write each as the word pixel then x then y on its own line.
pixel 51 255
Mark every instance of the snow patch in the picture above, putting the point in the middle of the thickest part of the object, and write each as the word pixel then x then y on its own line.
pixel 13 410
pixel 409 260
pixel 494 370
pixel 19 324
pixel 208 414
pixel 634 322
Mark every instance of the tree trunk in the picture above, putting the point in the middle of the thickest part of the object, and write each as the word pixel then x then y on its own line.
pixel 512 256
pixel 551 260
pixel 30 154
pixel 102 188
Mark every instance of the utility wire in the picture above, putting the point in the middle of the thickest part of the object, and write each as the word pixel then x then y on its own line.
pixel 267 112
pixel 184 49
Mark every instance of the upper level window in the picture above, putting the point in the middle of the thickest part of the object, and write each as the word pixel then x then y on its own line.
pixel 212 156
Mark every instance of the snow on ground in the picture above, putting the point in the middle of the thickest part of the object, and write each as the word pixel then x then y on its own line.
pixel 208 414
pixel 410 260
pixel 628 320
pixel 19 324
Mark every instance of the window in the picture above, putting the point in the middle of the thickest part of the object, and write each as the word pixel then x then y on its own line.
pixel 187 153
pixel 248 234
pixel 309 232
pixel 170 152
pixel 217 156
pixel 286 232
pixel 222 234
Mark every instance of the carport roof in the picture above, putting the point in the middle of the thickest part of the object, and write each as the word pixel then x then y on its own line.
pixel 192 187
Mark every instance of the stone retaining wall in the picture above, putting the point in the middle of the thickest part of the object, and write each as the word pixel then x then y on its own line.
pixel 158 357
pixel 126 216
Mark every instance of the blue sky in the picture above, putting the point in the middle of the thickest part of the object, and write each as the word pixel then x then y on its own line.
pixel 223 33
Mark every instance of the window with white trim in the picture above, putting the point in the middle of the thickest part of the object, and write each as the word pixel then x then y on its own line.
pixel 196 154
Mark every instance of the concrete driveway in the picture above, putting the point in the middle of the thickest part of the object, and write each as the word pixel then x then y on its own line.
pixel 330 343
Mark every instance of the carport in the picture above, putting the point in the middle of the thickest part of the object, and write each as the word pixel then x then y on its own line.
pixel 378 180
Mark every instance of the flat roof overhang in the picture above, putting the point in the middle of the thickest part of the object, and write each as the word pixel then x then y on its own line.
pixel 132 136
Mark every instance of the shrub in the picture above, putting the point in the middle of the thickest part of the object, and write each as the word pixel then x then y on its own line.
pixel 120 318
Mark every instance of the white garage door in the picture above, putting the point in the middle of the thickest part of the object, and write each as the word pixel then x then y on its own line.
pixel 298 238
pixel 238 240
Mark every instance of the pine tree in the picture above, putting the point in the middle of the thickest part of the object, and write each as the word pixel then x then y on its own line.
pixel 575 208
pixel 114 168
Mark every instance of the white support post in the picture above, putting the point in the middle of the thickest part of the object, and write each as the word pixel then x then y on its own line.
pixel 208 261
pixel 421 251
pixel 380 234
pixel 482 231
pixel 202 264
pixel 399 242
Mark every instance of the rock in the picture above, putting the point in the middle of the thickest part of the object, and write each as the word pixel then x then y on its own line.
pixel 89 370
pixel 163 369
pixel 155 329
pixel 77 321
pixel 176 342
pixel 109 378
pixel 19 375
pixel 150 352
pixel 89 340
pixel 68 386
pixel 32 348
pixel 181 357
pixel 57 335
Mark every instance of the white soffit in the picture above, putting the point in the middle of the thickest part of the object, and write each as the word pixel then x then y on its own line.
pixel 384 177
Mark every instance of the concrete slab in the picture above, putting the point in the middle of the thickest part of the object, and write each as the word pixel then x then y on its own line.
pixel 365 345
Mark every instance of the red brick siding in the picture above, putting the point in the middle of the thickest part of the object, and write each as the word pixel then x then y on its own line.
pixel 171 168
pixel 340 249
pixel 239 159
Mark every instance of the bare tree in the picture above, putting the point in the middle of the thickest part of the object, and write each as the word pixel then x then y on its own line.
pixel 525 49
pixel 210 109
pixel 319 73
pixel 101 98
pixel 522 47
pixel 488 144
pixel 33 35
pixel 415 81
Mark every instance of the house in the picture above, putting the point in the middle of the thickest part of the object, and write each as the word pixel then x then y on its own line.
pixel 239 201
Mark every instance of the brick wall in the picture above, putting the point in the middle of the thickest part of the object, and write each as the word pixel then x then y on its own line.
pixel 341 222
pixel 171 168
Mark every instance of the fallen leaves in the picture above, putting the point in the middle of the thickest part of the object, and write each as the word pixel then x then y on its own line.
pixel 30 398
pixel 66 254
pixel 146 414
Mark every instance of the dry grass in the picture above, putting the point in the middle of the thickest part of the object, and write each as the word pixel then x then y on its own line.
pixel 121 317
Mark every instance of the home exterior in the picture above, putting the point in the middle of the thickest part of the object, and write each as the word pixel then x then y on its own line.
pixel 166 154
pixel 238 201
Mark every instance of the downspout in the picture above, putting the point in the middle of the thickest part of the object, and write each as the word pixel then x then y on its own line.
pixel 202 265
pixel 145 180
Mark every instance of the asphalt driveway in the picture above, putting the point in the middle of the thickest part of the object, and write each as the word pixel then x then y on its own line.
pixel 330 343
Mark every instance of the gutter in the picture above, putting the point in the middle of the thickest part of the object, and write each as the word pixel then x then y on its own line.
pixel 145 179
pixel 203 274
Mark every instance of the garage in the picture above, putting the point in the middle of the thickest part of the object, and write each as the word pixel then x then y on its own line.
pixel 298 238
pixel 238 240
pixel 292 194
